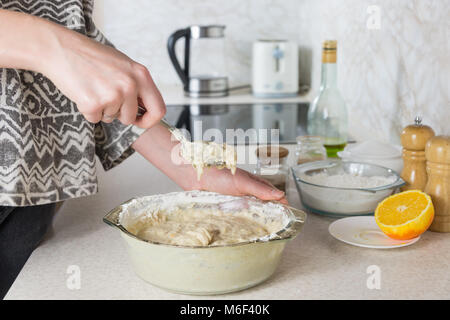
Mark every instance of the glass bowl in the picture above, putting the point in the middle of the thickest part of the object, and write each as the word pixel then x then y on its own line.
pixel 343 202
pixel 204 270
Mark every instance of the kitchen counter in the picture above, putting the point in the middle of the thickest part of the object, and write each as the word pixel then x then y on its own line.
pixel 313 266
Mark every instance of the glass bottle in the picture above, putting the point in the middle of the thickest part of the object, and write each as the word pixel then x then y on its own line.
pixel 272 165
pixel 310 148
pixel 327 115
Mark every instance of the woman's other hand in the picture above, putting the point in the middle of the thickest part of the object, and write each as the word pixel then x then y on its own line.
pixel 241 183
pixel 102 81
pixel 157 146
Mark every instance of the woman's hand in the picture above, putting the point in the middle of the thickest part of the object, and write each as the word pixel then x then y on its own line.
pixel 157 146
pixel 239 184
pixel 102 81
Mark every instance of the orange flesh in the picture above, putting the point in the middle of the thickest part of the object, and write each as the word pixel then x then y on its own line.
pixel 399 210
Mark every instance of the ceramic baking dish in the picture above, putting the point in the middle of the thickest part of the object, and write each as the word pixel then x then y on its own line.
pixel 207 270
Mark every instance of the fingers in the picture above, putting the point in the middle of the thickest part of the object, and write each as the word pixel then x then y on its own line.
pixel 151 99
pixel 90 109
pixel 284 201
pixel 105 107
pixel 93 117
pixel 263 181
pixel 128 111
pixel 110 113
pixel 252 185
pixel 118 98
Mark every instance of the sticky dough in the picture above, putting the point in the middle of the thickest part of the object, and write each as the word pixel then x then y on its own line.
pixel 202 154
pixel 201 227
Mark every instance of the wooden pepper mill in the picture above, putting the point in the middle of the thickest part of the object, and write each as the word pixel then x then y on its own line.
pixel 414 138
pixel 437 152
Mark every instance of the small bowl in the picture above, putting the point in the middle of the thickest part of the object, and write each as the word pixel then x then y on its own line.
pixel 395 163
pixel 343 202
pixel 392 160
pixel 209 269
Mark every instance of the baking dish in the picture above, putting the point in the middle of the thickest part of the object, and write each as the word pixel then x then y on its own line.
pixel 343 202
pixel 210 269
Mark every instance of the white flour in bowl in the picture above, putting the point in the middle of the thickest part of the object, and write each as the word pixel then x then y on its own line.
pixel 348 180
pixel 344 201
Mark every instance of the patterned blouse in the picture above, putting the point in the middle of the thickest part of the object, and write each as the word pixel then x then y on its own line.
pixel 47 148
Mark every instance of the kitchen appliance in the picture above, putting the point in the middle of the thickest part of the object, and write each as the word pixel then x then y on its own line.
pixel 276 116
pixel 275 68
pixel 340 201
pixel 245 120
pixel 206 269
pixel 203 73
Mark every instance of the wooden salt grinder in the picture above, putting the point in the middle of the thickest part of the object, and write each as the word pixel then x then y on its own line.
pixel 437 152
pixel 414 138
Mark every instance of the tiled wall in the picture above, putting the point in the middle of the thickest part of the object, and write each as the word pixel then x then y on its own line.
pixel 393 55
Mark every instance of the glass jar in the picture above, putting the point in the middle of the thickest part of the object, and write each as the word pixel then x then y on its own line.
pixel 272 165
pixel 310 148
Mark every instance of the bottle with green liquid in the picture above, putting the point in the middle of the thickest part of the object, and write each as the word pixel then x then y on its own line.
pixel 327 115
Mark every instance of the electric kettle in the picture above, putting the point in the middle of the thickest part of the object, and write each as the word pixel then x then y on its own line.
pixel 203 72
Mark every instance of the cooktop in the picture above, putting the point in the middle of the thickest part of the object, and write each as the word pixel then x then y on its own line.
pixel 241 123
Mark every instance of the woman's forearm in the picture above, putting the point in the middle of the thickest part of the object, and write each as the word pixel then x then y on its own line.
pixel 157 146
pixel 103 82
pixel 24 40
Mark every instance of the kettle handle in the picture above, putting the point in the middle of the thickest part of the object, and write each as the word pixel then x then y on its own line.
pixel 174 37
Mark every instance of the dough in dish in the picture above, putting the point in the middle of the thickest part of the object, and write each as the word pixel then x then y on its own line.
pixel 200 218
pixel 201 227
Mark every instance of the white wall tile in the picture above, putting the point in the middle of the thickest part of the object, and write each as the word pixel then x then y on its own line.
pixel 387 76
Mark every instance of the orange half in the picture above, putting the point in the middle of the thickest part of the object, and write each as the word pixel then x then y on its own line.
pixel 405 215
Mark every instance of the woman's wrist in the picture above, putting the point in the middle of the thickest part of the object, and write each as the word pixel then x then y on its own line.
pixel 158 147
pixel 31 43
pixel 18 46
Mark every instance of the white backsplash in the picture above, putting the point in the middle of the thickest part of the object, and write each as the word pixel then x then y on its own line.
pixel 387 75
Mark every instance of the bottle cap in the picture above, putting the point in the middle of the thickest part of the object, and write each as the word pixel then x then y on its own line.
pixel 330 44
pixel 438 149
pixel 272 152
pixel 329 50
pixel 415 136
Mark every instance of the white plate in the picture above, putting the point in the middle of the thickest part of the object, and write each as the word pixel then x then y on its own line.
pixel 363 231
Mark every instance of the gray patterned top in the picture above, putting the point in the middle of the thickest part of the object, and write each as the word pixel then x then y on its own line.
pixel 47 148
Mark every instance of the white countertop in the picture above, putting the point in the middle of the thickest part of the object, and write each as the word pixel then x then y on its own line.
pixel 313 266
pixel 174 95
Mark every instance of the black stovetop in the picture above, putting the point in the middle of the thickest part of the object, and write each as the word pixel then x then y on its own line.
pixel 242 123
